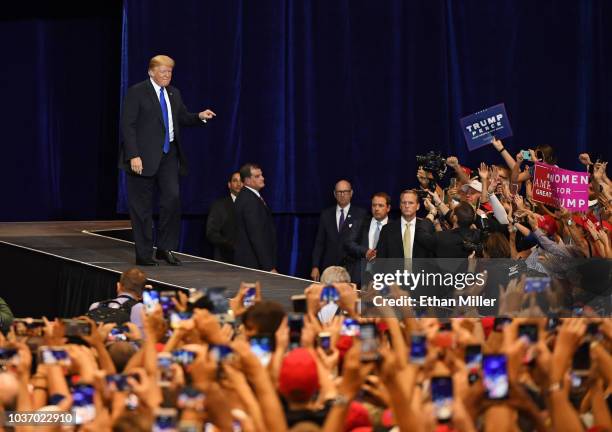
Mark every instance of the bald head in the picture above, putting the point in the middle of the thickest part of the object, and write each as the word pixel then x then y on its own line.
pixel 343 193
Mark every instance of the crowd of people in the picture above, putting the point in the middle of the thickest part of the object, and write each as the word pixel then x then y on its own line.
pixel 188 361
pixel 267 370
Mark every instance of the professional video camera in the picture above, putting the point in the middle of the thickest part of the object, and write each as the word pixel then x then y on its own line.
pixel 434 163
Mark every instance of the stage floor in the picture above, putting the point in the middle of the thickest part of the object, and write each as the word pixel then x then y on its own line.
pixel 86 243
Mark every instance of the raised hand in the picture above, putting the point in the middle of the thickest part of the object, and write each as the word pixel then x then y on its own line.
pixel 452 162
pixel 483 171
pixel 585 159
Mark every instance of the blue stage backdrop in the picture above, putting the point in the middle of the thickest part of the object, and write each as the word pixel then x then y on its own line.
pixel 314 91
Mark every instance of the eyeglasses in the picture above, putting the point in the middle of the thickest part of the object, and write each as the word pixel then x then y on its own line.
pixel 342 192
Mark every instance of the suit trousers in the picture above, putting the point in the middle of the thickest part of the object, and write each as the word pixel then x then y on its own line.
pixel 140 197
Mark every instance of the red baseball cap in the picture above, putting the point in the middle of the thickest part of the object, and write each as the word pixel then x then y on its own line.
pixel 357 418
pixel 548 224
pixel 298 380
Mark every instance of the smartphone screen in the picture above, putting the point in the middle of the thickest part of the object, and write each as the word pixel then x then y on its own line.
pixel 83 403
pixel 593 329
pixel 581 363
pixel 296 323
pixel 164 363
pixel 514 188
pixel 324 339
pixel 9 357
pixel 526 155
pixel 54 355
pixel 495 376
pixel 500 322
pixel 350 327
pixel 76 328
pixel 117 382
pixel 219 300
pixel 220 352
pixel 418 349
pixel 473 362
pixel 552 323
pixel 118 334
pixel 442 397
pixel 529 331
pixel 183 357
pixel 249 297
pixel 165 299
pixel 369 343
pixel 165 420
pixel 329 294
pixel 445 326
pixel 536 284
pixel 190 398
pixel 473 357
pixel 261 346
pixel 150 298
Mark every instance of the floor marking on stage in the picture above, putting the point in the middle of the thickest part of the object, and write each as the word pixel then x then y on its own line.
pixel 200 259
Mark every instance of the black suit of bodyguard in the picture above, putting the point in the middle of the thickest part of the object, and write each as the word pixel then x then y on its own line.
pixel 151 155
pixel 256 236
pixel 221 224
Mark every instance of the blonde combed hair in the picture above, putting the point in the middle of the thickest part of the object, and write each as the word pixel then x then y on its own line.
pixel 160 60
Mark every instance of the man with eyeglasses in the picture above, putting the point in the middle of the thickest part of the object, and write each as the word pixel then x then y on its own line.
pixel 335 226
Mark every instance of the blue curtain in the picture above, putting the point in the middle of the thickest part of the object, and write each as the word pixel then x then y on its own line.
pixel 314 91
pixel 60 98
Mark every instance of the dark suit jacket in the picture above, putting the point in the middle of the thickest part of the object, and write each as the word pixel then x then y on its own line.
pixel 449 244
pixel 329 243
pixel 143 129
pixel 390 244
pixel 256 236
pixel 356 246
pixel 221 228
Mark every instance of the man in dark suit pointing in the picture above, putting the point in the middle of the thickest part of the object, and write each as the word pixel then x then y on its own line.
pixel 151 155
pixel 256 238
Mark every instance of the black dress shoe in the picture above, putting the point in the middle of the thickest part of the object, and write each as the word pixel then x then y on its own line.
pixel 167 256
pixel 146 262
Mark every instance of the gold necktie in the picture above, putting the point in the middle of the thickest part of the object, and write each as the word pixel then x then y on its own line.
pixel 407 243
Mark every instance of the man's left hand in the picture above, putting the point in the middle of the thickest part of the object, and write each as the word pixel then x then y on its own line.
pixel 206 115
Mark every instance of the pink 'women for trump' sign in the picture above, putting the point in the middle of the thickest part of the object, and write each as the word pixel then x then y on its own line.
pixel 560 187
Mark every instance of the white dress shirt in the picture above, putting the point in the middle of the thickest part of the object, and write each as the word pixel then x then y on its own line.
pixel 346 210
pixel 167 99
pixel 233 197
pixel 372 231
pixel 411 225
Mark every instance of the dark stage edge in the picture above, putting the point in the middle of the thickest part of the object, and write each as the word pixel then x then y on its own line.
pixel 85 245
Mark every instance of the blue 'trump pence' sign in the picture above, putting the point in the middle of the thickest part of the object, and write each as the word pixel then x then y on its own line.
pixel 479 128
